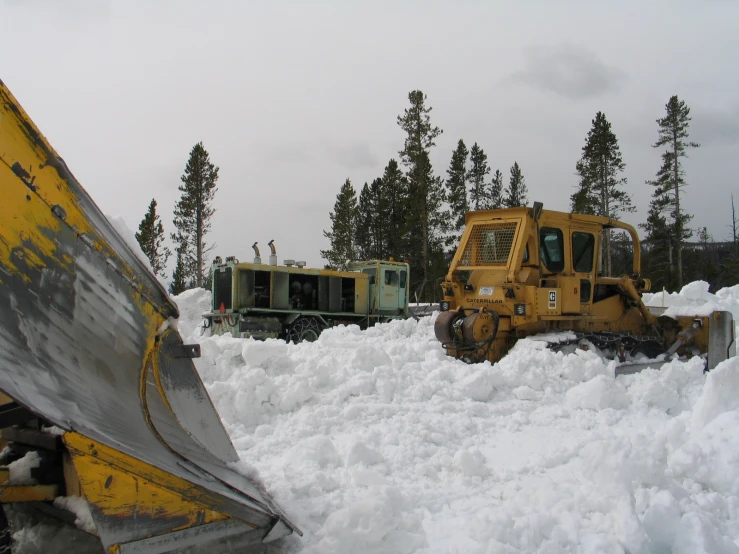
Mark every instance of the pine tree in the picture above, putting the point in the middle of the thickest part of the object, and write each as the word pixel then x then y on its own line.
pixel 341 236
pixel 426 192
pixel 179 275
pixel 515 194
pixel 495 191
pixel 379 207
pixel 599 191
pixel 658 262
pixel 150 238
pixel 456 185
pixel 673 132
pixel 395 190
pixel 479 170
pixel 193 212
pixel 365 222
pixel 425 216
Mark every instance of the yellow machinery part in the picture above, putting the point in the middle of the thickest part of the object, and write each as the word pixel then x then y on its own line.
pixel 116 485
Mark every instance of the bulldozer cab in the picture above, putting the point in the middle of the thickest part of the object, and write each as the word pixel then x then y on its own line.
pixel 556 252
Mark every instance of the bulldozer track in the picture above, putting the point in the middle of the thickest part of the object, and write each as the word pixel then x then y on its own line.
pixel 609 340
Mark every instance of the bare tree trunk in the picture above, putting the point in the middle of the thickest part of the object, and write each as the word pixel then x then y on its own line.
pixel 199 232
pixel 678 219
pixel 733 227
pixel 604 209
pixel 425 233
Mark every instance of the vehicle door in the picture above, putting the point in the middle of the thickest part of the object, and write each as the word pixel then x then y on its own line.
pixel 554 287
pixel 389 286
pixel 583 256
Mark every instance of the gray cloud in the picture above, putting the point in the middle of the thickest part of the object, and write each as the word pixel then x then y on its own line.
pixel 715 127
pixel 352 154
pixel 570 71
pixel 69 9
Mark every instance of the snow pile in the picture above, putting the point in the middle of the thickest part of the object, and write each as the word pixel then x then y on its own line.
pixel 80 508
pixel 19 471
pixel 694 299
pixel 376 441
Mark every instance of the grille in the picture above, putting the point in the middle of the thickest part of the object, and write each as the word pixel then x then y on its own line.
pixel 488 244
pixel 222 288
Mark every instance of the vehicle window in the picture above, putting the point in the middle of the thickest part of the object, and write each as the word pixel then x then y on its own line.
pixel 403 278
pixel 551 249
pixel 583 248
pixel 391 278
pixel 371 272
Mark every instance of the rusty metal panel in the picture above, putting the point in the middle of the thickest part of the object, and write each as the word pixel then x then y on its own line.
pixel 361 292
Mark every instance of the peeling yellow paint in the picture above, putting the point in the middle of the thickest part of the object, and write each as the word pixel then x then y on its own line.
pixel 121 486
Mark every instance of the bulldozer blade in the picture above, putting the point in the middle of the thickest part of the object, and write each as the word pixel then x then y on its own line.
pixel 629 368
pixel 85 344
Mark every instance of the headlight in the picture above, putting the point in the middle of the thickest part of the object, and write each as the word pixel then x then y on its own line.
pixel 519 309
pixel 444 306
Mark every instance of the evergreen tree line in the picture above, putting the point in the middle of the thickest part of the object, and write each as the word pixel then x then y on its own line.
pixel 411 213
pixel 192 221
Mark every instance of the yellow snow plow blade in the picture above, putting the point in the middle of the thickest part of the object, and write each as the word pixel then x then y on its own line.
pixel 85 345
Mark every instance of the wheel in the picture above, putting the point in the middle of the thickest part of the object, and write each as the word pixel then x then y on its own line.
pixel 304 329
pixel 447 327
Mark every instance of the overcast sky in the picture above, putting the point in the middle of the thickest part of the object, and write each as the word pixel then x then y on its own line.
pixel 291 98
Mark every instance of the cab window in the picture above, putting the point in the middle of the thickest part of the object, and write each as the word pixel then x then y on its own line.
pixel 391 278
pixel 551 249
pixel 583 249
pixel 371 272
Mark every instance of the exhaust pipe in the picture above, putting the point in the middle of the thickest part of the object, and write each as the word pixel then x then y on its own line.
pixel 273 255
pixel 257 258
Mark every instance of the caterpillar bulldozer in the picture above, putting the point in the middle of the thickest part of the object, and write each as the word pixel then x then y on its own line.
pixel 96 382
pixel 531 272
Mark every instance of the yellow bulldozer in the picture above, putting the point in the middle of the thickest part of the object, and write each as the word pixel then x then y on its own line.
pixel 96 382
pixel 531 272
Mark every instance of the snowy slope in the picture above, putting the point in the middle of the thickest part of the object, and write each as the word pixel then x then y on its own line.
pixel 377 442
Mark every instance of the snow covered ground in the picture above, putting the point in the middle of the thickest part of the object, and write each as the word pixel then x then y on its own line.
pixel 376 442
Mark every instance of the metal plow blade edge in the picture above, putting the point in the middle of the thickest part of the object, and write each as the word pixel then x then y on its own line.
pixel 81 346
